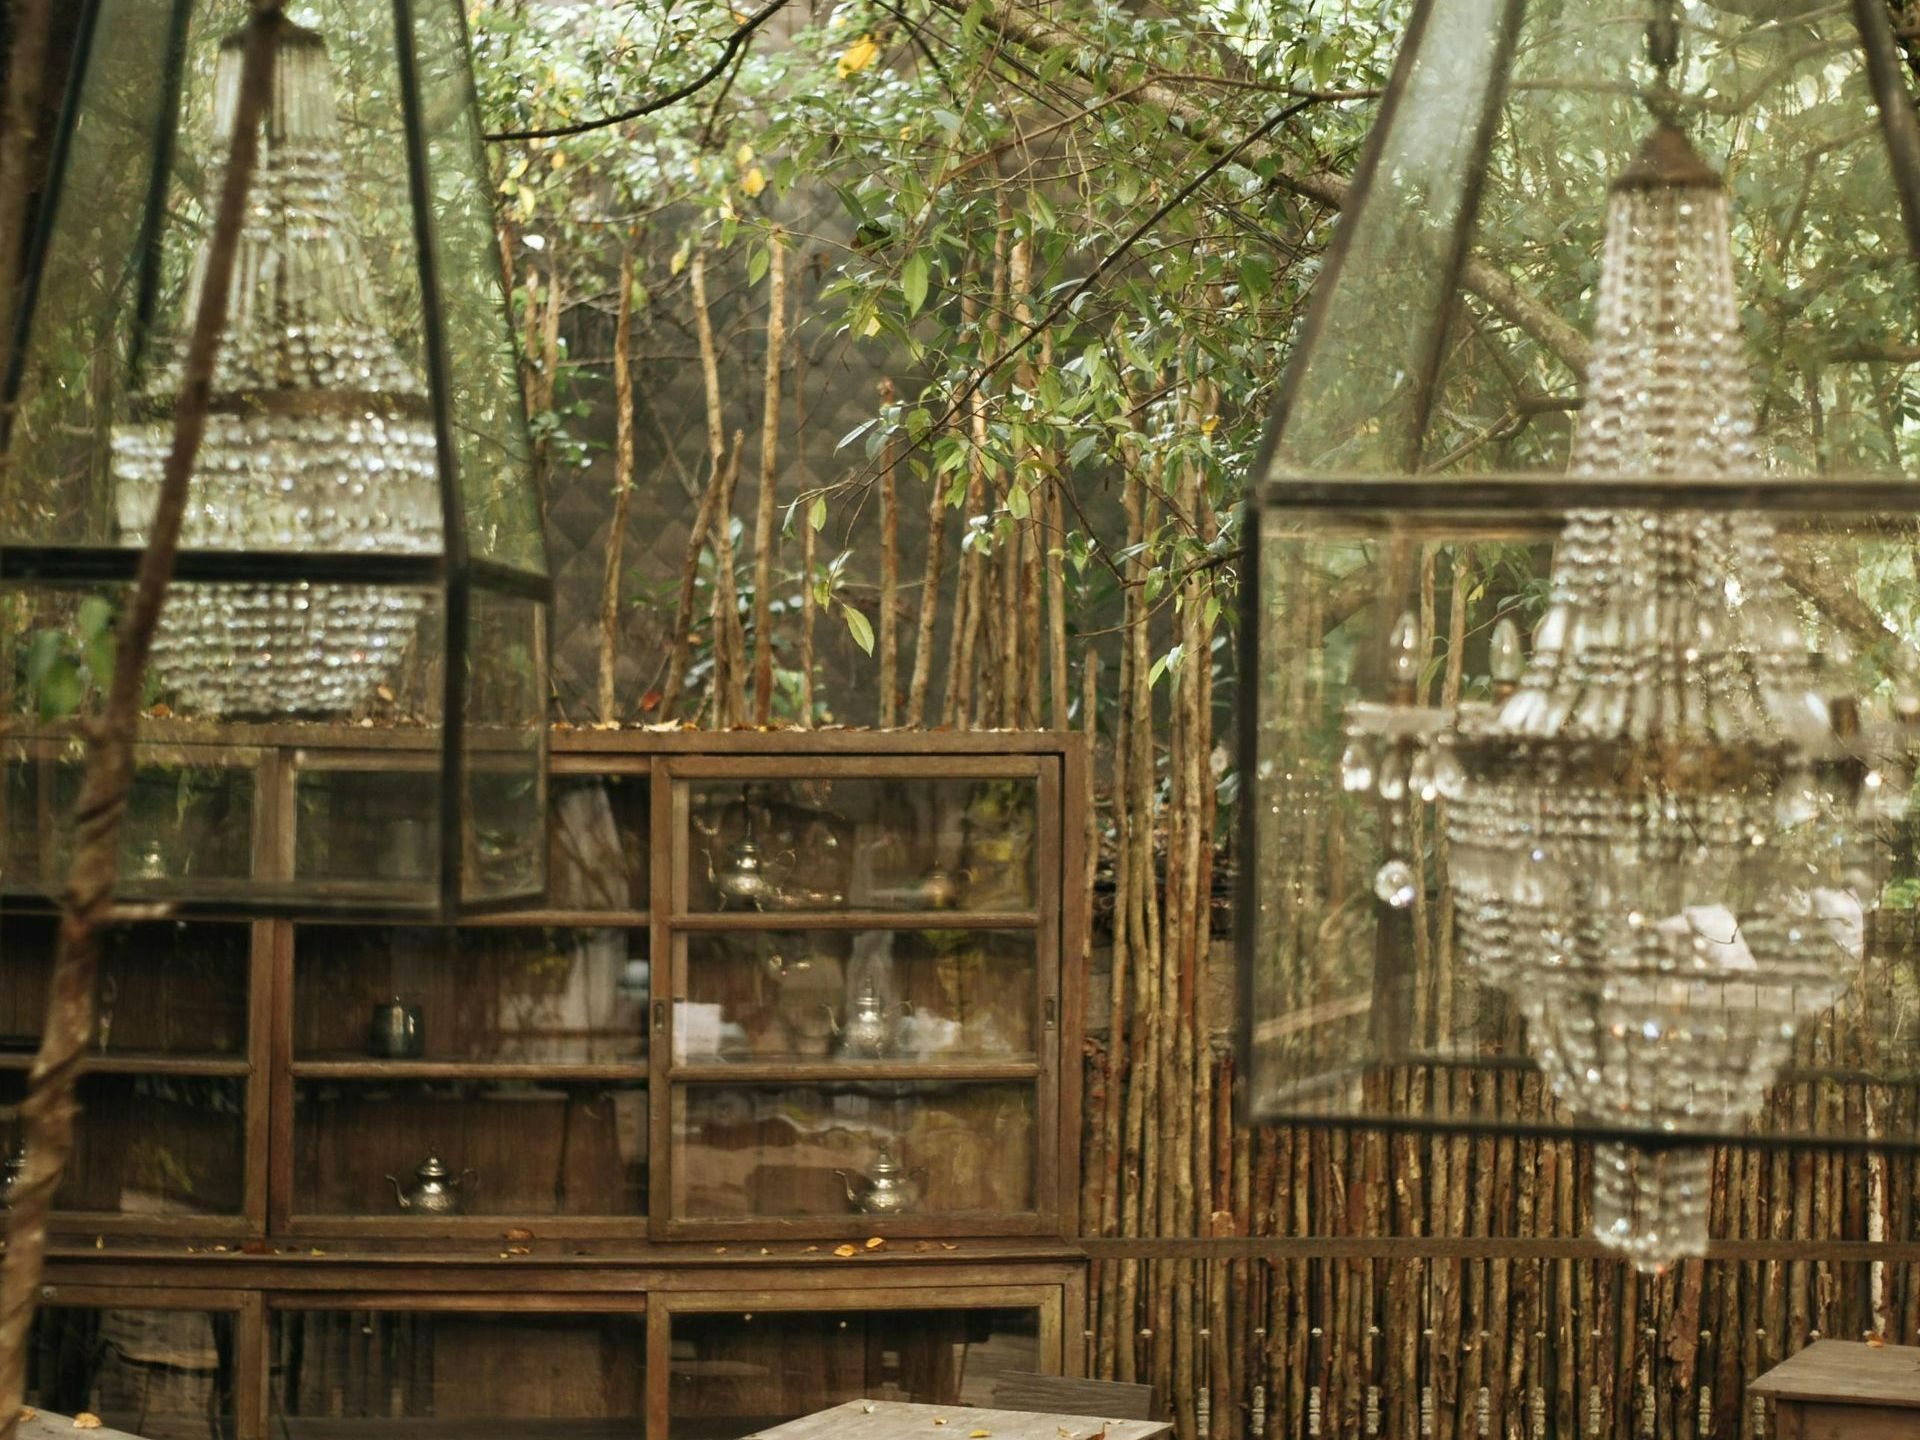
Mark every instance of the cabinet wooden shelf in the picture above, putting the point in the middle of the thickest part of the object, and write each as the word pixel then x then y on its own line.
pixel 135 1062
pixel 663 1101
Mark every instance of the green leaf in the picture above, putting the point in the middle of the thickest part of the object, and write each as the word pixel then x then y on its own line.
pixel 95 616
pixel 913 281
pixel 817 513
pixel 858 627
pixel 42 651
pixel 1018 504
pixel 757 263
pixel 60 689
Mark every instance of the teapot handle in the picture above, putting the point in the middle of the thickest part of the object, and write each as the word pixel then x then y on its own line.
pixel 469 1179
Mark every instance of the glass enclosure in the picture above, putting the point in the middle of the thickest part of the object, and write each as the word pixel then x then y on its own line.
pixel 162 1374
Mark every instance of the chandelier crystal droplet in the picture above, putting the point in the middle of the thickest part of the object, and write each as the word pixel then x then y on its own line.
pixel 318 441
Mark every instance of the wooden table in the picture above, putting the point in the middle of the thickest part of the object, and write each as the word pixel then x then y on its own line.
pixel 45 1425
pixel 894 1420
pixel 1843 1390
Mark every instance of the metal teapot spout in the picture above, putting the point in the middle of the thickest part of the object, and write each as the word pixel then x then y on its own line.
pixel 400 1195
pixel 846 1183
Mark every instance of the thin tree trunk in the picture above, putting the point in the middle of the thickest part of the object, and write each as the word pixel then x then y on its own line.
pixel 729 657
pixel 1057 607
pixel 702 530
pixel 929 605
pixel 808 539
pixel 47 1114
pixel 622 490
pixel 769 478
pixel 889 627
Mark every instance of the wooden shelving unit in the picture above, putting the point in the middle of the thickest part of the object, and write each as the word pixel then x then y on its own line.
pixel 653 1087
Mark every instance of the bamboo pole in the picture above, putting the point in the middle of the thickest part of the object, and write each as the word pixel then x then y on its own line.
pixel 929 605
pixel 888 639
pixel 729 659
pixel 47 1114
pixel 763 536
pixel 623 463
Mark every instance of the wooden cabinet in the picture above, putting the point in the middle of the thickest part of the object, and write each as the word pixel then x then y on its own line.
pixel 788 994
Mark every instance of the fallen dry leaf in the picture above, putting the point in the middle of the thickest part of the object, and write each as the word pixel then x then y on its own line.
pixel 86 1420
pixel 519 1250
pixel 27 1412
pixel 811 1250
pixel 1876 1342
pixel 518 1232
pixel 843 1251
pixel 978 1434
pixel 874 1242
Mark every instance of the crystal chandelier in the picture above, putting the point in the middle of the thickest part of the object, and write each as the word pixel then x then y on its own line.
pixel 353 649
pixel 319 438
pixel 1659 823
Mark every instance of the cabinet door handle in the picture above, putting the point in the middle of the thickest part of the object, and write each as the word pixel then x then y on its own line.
pixel 1047 1013
pixel 659 1017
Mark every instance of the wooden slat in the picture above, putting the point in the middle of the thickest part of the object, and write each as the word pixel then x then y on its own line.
pixel 895 1420
pixel 850 1072
pixel 1117 1399
pixel 137 1062
pixel 632 1071
pixel 774 920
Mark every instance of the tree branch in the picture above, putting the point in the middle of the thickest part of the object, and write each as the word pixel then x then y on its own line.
pixel 87 906
pixel 742 33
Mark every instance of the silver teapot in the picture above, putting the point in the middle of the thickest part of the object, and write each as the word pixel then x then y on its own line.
pixel 888 1189
pixel 871 1030
pixel 435 1190
pixel 745 877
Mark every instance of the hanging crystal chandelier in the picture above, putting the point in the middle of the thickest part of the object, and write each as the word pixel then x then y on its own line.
pixel 1658 832
pixel 1658 823
pixel 353 648
pixel 319 437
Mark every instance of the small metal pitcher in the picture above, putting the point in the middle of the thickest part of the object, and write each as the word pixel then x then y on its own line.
pixel 871 1031
pixel 397 1031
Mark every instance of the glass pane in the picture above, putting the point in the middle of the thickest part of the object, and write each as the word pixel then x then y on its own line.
pixel 368 833
pixel 1399 939
pixel 508 995
pixel 150 1145
pixel 735 1374
pixel 165 988
pixel 163 1374
pixel 831 1150
pixel 102 366
pixel 868 843
pixel 597 842
pixel 504 750
pixel 1357 401
pixel 454 1375
pixel 511 1148
pixel 485 404
pixel 944 996
pixel 190 818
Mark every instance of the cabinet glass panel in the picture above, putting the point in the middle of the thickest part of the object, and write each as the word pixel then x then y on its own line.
pixel 737 1373
pixel 166 988
pixel 148 1145
pixel 880 1149
pixel 186 822
pixel 597 830
pixel 481 994
pixel 868 843
pixel 509 1148
pixel 368 1374
pixel 163 1374
pixel 373 831
pixel 937 996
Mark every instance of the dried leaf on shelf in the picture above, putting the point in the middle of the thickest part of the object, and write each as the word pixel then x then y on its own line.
pixel 1876 1342
pixel 978 1434
pixel 27 1412
pixel 518 1232
pixel 874 1242
pixel 844 1251
pixel 86 1420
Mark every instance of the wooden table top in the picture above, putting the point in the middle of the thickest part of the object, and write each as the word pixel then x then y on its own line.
pixel 1846 1372
pixel 45 1425
pixel 896 1420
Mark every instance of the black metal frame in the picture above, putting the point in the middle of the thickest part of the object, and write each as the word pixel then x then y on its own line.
pixel 455 573
pixel 1523 500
